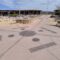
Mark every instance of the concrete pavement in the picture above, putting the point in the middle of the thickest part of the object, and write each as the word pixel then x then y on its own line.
pixel 15 46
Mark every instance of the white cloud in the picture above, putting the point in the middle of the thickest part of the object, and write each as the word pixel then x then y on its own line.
pixel 8 3
pixel 23 4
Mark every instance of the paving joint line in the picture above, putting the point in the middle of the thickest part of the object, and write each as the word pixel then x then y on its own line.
pixel 49 35
pixel 53 55
pixel 8 30
pixel 13 45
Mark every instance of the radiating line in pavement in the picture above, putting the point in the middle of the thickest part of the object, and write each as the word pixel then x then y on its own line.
pixel 14 44
pixel 49 30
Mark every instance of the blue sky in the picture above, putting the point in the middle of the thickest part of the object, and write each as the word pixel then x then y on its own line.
pixel 45 5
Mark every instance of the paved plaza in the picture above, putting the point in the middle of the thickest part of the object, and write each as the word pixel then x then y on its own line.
pixel 40 41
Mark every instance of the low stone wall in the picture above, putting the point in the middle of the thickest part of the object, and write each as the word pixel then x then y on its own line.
pixel 23 21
